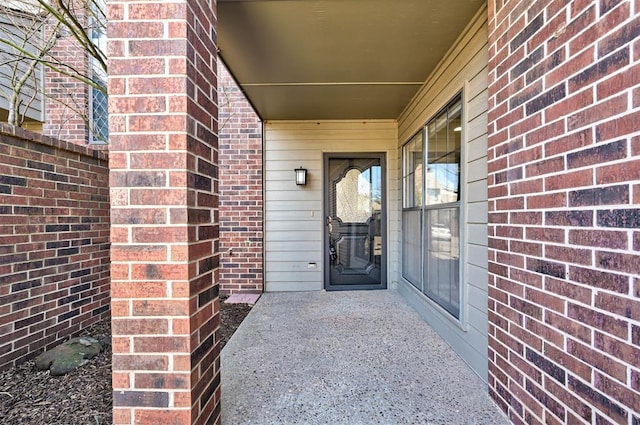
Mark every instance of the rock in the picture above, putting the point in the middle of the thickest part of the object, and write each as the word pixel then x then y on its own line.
pixel 105 341
pixel 85 341
pixel 69 355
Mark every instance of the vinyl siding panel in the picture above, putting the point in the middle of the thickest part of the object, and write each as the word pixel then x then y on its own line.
pixel 32 91
pixel 464 70
pixel 294 222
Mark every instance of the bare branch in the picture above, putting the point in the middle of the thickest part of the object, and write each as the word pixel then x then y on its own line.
pixel 70 20
pixel 32 28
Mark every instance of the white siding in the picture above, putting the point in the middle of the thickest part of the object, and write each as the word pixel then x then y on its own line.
pixel 11 71
pixel 294 222
pixel 463 69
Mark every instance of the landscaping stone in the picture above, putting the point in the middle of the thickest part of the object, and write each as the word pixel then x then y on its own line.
pixel 69 355
pixel 32 396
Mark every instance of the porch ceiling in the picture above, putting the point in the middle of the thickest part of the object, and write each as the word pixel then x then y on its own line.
pixel 336 59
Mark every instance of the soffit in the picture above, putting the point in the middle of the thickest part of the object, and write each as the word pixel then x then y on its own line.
pixel 336 59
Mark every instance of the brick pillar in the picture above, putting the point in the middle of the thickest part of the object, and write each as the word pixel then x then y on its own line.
pixel 164 234
pixel 564 190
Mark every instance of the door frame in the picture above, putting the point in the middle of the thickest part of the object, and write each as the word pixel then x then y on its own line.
pixel 382 156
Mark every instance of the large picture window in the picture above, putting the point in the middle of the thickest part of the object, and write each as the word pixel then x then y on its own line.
pixel 431 222
pixel 413 173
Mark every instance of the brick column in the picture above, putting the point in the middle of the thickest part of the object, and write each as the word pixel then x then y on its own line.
pixel 564 190
pixel 164 234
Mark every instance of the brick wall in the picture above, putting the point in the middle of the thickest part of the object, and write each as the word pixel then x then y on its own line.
pixel 54 242
pixel 164 207
pixel 241 217
pixel 66 98
pixel 564 189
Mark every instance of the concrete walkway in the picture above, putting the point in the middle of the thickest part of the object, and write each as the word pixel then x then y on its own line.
pixel 346 358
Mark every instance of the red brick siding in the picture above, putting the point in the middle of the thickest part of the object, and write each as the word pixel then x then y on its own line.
pixel 66 98
pixel 241 199
pixel 164 208
pixel 564 178
pixel 54 242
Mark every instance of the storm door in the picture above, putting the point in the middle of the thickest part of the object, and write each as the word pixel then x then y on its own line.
pixel 355 222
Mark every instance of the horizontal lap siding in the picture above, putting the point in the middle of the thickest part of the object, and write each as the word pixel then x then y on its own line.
pixel 294 214
pixel 32 93
pixel 463 69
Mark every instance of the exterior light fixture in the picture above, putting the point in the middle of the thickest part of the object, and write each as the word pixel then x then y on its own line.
pixel 457 129
pixel 301 176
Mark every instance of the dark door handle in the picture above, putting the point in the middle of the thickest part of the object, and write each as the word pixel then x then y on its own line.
pixel 332 253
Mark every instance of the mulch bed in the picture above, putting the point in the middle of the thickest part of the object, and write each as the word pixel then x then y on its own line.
pixel 231 315
pixel 84 396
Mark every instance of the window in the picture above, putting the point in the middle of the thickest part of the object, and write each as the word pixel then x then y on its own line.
pixel 431 227
pixel 412 174
pixel 98 106
pixel 412 177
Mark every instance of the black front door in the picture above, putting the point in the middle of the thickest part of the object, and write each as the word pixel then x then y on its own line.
pixel 355 222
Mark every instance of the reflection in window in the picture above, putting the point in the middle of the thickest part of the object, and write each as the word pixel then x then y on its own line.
pixel 412 246
pixel 412 177
pixel 431 231
pixel 412 172
pixel 442 262
pixel 443 156
pixel 358 194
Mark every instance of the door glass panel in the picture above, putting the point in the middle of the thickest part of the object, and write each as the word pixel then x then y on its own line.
pixel 354 222
pixel 353 197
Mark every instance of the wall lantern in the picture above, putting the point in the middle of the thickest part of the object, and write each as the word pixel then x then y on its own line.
pixel 301 176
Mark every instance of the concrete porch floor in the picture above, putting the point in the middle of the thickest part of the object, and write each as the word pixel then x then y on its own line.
pixel 359 357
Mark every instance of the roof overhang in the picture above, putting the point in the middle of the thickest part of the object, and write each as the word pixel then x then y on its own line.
pixel 336 59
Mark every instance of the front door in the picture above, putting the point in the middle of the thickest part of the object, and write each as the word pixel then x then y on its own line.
pixel 355 222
